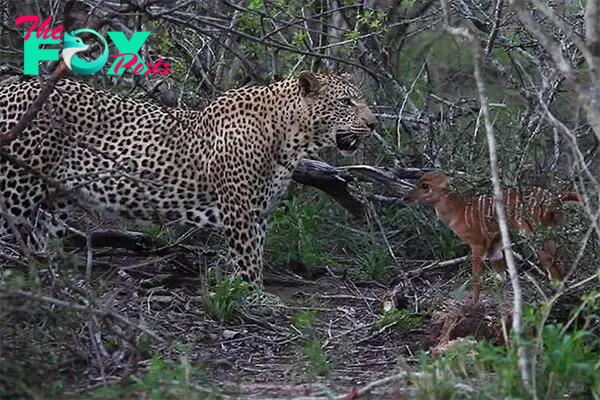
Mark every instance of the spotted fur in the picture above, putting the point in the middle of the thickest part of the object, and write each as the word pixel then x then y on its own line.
pixel 225 167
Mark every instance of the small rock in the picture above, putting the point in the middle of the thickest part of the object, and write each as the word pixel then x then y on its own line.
pixel 229 334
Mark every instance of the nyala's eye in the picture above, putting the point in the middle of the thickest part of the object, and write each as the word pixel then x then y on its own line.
pixel 425 186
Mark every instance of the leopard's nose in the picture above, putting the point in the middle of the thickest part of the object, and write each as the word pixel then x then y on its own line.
pixel 367 116
pixel 370 119
pixel 372 123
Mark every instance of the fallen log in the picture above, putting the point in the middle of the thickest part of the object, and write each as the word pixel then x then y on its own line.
pixel 334 181
pixel 114 238
pixel 330 180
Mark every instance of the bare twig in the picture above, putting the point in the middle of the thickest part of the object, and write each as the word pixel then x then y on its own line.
pixel 437 264
pixel 498 197
pixel 401 376
pixel 587 99
pixel 372 385
pixel 79 307
pixel 13 227
pixel 406 97
pixel 494 33
pixel 568 32
pixel 592 34
pixel 32 112
pixel 45 92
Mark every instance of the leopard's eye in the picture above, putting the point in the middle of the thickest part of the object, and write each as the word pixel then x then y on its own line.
pixel 347 101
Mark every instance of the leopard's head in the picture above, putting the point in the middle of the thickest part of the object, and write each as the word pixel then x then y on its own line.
pixel 337 114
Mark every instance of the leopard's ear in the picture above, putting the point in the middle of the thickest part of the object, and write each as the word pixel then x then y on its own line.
pixel 347 76
pixel 309 83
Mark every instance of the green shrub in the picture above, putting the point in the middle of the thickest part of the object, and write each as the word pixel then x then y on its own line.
pixel 400 319
pixel 293 238
pixel 304 323
pixel 566 362
pixel 226 298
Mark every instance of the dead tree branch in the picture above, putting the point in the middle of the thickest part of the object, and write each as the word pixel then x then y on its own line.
pixel 592 35
pixel 45 92
pixel 85 308
pixel 334 181
pixel 587 98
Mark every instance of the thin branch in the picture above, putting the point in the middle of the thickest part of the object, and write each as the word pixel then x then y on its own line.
pixel 568 32
pixel 586 98
pixel 45 92
pixel 13 227
pixel 79 307
pixel 437 264
pixel 551 47
pixel 406 97
pixel 498 196
pixel 592 35
pixel 372 385
pixel 494 33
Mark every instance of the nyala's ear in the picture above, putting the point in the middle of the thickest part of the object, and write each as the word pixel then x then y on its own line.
pixel 447 182
pixel 458 183
pixel 309 84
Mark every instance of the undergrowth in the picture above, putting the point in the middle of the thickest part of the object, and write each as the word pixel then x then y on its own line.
pixel 163 379
pixel 398 318
pixel 311 231
pixel 304 323
pixel 293 237
pixel 561 361
pixel 223 299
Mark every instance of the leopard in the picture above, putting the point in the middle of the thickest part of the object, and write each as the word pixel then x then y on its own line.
pixel 224 167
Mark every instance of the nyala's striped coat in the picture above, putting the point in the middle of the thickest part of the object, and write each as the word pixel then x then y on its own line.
pixel 474 220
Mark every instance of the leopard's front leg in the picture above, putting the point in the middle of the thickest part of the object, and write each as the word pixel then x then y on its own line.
pixel 244 193
pixel 245 234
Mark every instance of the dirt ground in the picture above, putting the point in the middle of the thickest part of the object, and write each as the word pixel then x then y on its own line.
pixel 263 359
pixel 258 359
pixel 268 360
pixel 251 358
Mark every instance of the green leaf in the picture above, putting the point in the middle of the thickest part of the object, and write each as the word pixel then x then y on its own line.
pixel 352 35
pixel 255 4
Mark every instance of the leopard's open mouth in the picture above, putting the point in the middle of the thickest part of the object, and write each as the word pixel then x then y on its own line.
pixel 347 141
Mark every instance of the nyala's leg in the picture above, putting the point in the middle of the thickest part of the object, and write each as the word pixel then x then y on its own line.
pixel 477 260
pixel 547 255
pixel 499 267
